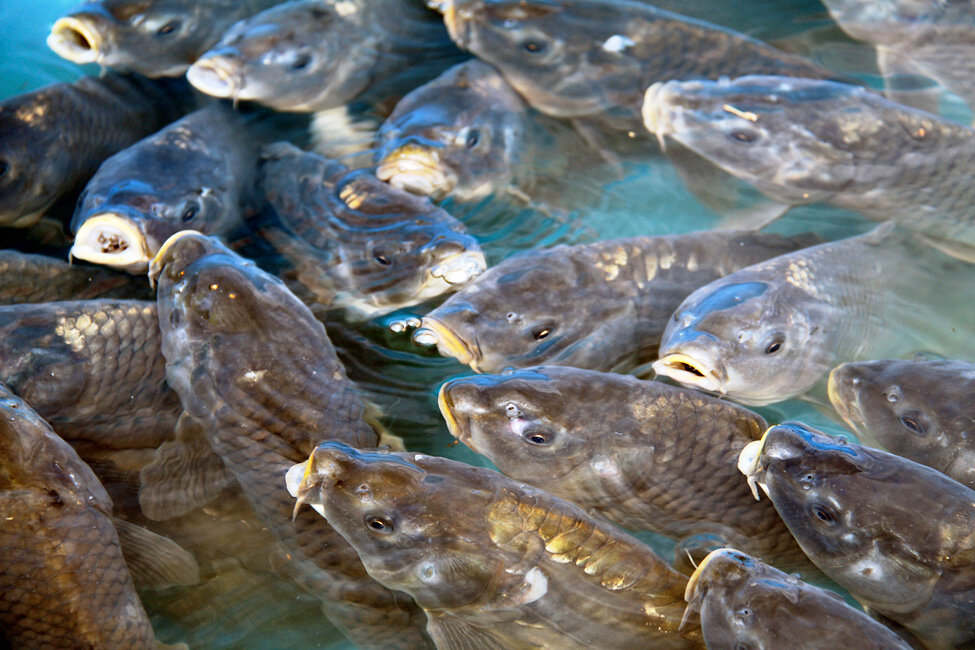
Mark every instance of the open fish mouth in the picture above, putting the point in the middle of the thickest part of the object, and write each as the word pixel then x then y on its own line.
pixel 76 40
pixel 159 261
pixel 749 464
pixel 416 170
pixel 446 404
pixel 112 240
pixel 433 332
pixel 846 403
pixel 657 111
pixel 688 371
pixel 217 76
pixel 458 270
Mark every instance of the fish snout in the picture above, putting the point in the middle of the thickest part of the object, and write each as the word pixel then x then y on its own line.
pixel 79 37
pixel 658 110
pixel 448 409
pixel 219 73
pixel 694 370
pixel 112 239
pixel 416 169
pixel 171 252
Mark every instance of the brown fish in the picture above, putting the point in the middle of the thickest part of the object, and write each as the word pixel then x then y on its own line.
pixel 38 278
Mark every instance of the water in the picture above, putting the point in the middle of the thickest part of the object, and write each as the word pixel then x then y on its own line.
pixel 259 611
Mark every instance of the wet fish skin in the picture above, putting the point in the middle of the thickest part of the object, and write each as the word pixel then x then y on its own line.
pixel 918 409
pixel 157 38
pixel 646 455
pixel 601 306
pixel 53 139
pixel 29 278
pixel 357 243
pixel 803 141
pixel 194 174
pixel 257 371
pixel 494 562
pixel 854 510
pixel 312 55
pixel 774 330
pixel 64 583
pixel 92 368
pixel 567 65
pixel 745 603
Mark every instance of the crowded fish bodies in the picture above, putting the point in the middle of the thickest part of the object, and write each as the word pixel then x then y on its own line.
pixel 489 324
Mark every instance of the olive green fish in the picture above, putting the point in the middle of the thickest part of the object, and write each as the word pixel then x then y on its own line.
pixel 26 277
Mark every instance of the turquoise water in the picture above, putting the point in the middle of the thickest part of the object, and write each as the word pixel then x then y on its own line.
pixel 648 198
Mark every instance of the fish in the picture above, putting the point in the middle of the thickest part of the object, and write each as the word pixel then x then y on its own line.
pixel 627 449
pixel 493 562
pixel 63 582
pixel 30 278
pixel 53 139
pixel 354 242
pixel 601 306
pixel 803 141
pixel 567 65
pixel 774 330
pixel 855 513
pixel 312 55
pixel 194 174
pixel 257 372
pixel 156 38
pixel 92 368
pixel 745 603
pixel 919 409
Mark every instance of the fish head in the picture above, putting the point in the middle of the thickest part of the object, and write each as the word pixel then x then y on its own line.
pixel 797 140
pixel 288 57
pixel 459 135
pixel 156 38
pixel 415 521
pixel 755 342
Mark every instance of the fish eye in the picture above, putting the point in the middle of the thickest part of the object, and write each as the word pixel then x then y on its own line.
pixel 912 422
pixel 823 514
pixel 535 47
pixel 379 524
pixel 774 346
pixel 301 62
pixel 542 332
pixel 744 135
pixel 169 28
pixel 188 213
pixel 473 137
pixel 382 259
pixel 538 436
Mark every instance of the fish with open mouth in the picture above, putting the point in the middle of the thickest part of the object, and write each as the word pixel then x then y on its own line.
pixel 898 535
pixel 601 306
pixel 744 603
pixel 774 330
pixel 157 38
pixel 919 409
pixel 193 175
pixel 53 139
pixel 26 278
pixel 493 562
pixel 353 241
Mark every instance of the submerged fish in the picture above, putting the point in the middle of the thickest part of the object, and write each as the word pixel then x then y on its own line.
pixel 63 580
pixel 494 563
pixel 855 512
pixel 630 450
pixel 153 37
pixel 353 241
pixel 53 139
pixel 310 55
pixel 803 141
pixel 744 603
pixel 259 374
pixel 774 330
pixel 601 306
pixel 38 278
pixel 194 174
pixel 922 410
pixel 92 368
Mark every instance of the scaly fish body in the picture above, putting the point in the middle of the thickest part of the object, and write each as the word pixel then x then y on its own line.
pixel 921 410
pixel 194 174
pixel 53 139
pixel 63 581
pixel 27 278
pixel 494 562
pixel 601 306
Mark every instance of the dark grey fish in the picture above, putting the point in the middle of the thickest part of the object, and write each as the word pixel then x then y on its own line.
pixel 63 580
pixel 743 603
pixel 258 372
pixel 153 37
pixel 601 306
pixel 355 242
pixel 898 535
pixel 53 139
pixel 494 563
pixel 39 278
pixel 194 174
pixel 311 55
pixel 922 410
pixel 92 368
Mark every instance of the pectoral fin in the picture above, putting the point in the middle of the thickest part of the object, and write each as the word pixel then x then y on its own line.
pixel 451 633
pixel 154 561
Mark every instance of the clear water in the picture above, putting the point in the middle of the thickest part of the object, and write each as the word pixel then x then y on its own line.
pixel 648 199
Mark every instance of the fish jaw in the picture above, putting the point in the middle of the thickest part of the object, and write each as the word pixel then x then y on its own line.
pixel 217 76
pixel 432 332
pixel 112 240
pixel 416 170
pixel 75 38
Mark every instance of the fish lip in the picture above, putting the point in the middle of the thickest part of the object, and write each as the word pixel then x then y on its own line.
pixel 111 239
pixel 689 371
pixel 216 76
pixel 157 263
pixel 73 38
pixel 692 582
pixel 846 409
pixel 657 117
pixel 457 270
pixel 448 343
pixel 416 170
pixel 454 426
